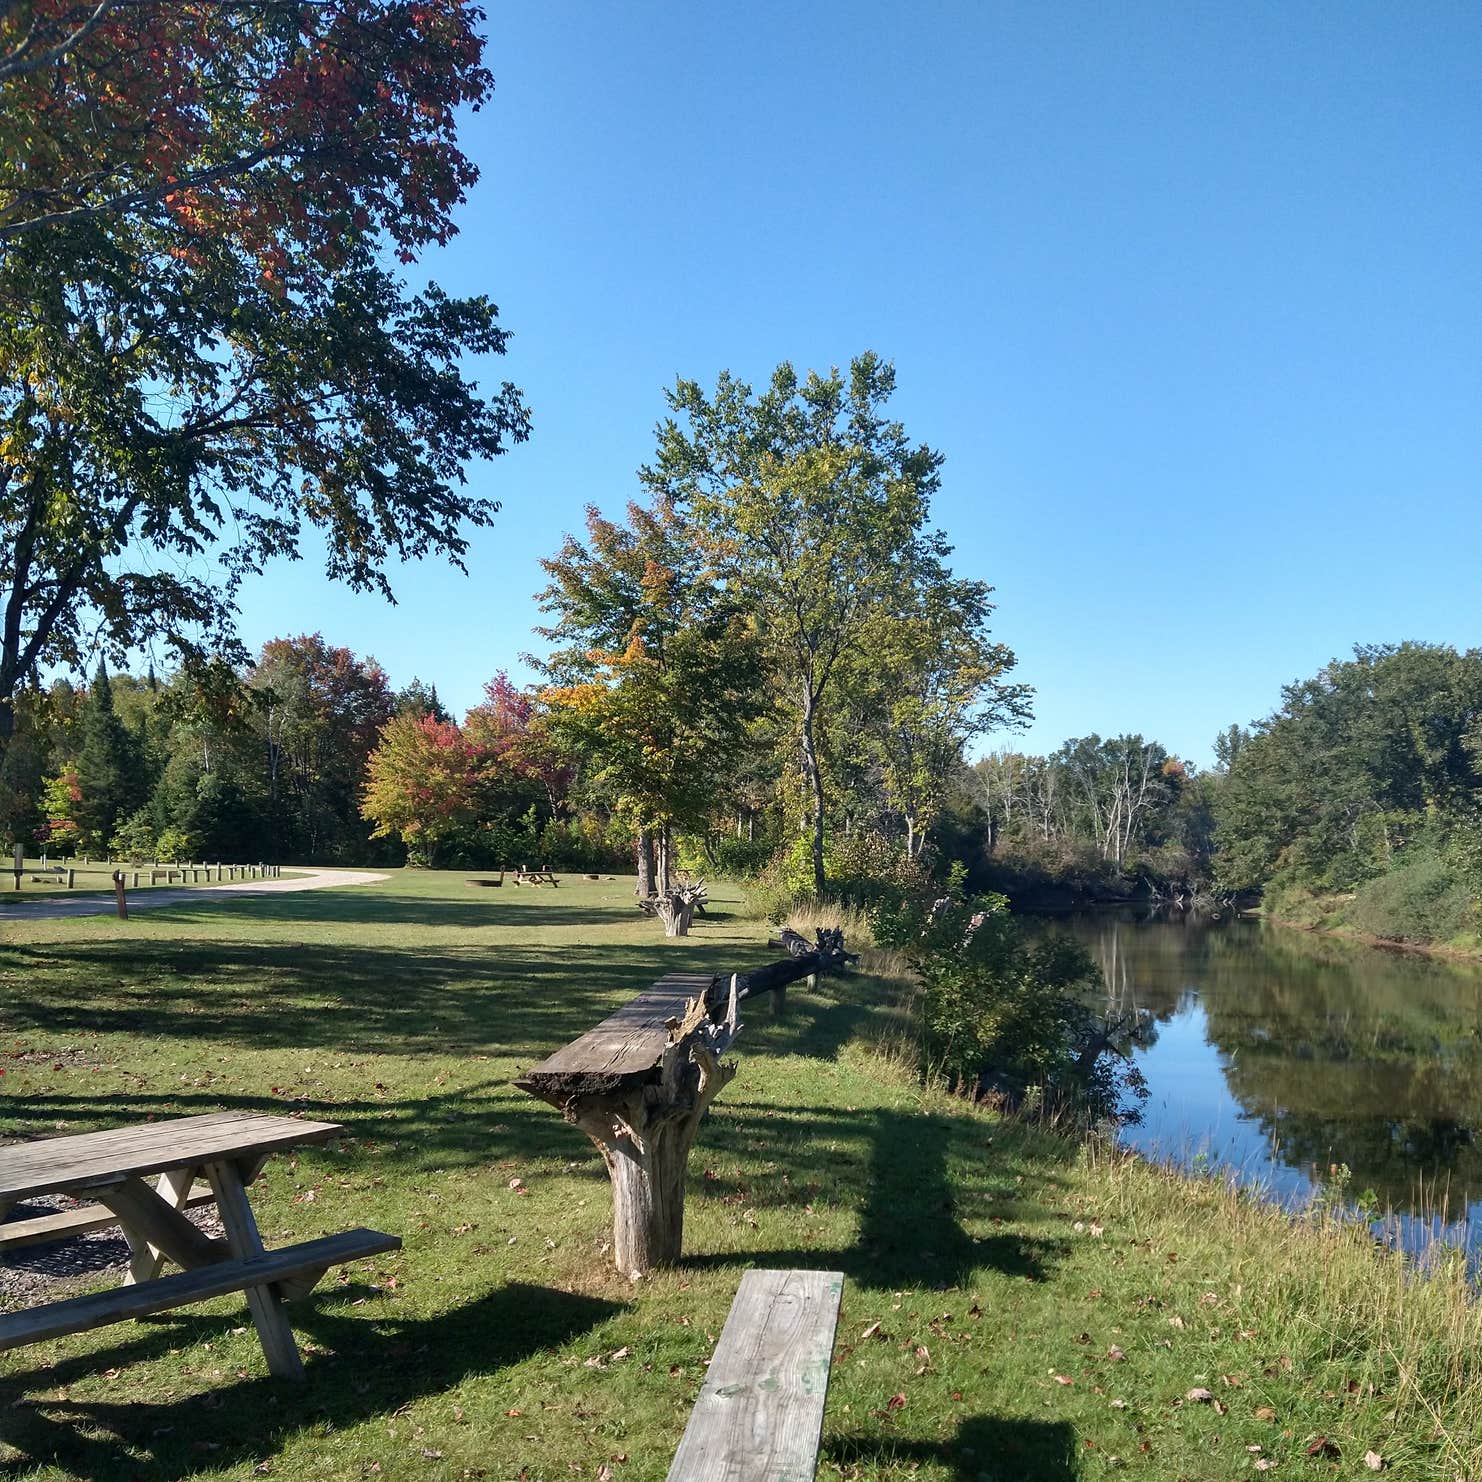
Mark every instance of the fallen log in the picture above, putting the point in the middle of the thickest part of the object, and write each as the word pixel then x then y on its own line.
pixel 638 1085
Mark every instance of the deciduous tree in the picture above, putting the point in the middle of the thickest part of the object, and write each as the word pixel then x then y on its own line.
pixel 203 350
pixel 420 783
pixel 815 506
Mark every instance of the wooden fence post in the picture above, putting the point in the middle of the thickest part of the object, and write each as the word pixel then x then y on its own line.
pixel 118 891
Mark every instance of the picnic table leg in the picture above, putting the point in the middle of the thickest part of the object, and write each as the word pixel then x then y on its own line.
pixel 174 1188
pixel 242 1236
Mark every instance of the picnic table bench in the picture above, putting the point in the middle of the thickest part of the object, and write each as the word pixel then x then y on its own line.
pixel 759 1415
pixel 110 1170
pixel 541 876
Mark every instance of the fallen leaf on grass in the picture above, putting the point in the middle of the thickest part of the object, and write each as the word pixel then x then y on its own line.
pixel 1115 1354
pixel 1264 1464
pixel 1373 1461
pixel 1322 1447
pixel 873 1331
pixel 1064 1379
pixel 896 1402
pixel 1265 1412
pixel 1199 1396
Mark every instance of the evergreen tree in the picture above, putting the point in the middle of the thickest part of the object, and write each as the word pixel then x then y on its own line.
pixel 108 766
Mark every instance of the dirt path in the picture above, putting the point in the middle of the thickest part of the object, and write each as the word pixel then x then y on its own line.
pixel 143 900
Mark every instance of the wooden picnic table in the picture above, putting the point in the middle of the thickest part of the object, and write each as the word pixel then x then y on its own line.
pixel 109 1170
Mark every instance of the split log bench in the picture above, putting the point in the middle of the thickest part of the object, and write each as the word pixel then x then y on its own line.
pixel 110 1169
pixel 640 1081
pixel 759 1414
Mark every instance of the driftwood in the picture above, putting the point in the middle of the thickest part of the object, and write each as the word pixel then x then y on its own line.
pixel 639 1082
pixel 677 909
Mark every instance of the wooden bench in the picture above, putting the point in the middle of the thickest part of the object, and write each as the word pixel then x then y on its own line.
pixel 110 1169
pixel 759 1415
pixel 638 1085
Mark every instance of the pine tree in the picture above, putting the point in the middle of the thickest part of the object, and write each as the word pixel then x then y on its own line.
pixel 108 769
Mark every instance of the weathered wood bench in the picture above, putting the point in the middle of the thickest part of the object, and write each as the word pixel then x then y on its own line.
pixel 759 1415
pixel 110 1169
pixel 639 1082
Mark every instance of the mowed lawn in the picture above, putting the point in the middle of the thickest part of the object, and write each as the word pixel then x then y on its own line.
pixel 1013 1307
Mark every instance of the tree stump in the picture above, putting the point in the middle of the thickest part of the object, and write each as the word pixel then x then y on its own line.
pixel 639 1083
pixel 675 912
pixel 644 1125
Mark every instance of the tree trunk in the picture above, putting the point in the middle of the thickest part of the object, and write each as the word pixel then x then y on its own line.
pixel 645 864
pixel 663 862
pixel 645 1134
pixel 648 1195
pixel 815 785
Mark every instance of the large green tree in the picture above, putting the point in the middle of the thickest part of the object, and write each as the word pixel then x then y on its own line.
pixel 204 348
pixel 1355 762
pixel 814 504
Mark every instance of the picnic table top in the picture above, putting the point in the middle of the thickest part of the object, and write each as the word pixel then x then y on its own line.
pixel 630 1041
pixel 55 1164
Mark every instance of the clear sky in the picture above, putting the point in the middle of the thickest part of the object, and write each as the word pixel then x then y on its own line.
pixel 1190 296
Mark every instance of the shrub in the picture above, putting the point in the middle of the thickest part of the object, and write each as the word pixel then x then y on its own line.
pixel 1003 1014
pixel 135 840
pixel 1421 899
pixel 726 855
pixel 174 846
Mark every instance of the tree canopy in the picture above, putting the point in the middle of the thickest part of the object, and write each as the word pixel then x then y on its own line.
pixel 811 502
pixel 202 349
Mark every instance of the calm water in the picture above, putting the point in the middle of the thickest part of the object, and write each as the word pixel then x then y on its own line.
pixel 1278 1057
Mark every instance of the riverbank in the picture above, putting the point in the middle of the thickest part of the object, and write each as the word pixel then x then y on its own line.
pixel 1016 1303
pixel 1327 915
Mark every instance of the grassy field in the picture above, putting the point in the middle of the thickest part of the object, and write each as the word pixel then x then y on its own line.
pixel 1042 1311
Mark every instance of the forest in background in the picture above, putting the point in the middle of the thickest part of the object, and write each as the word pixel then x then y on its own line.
pixel 768 668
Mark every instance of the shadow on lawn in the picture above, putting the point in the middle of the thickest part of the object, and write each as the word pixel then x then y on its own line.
pixel 910 1232
pixel 991 1447
pixel 389 909
pixel 379 1364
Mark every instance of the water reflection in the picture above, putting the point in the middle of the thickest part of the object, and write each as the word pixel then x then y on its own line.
pixel 1281 1057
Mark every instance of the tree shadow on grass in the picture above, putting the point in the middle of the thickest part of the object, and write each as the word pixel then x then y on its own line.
pixel 483 908
pixel 986 1448
pixel 377 1365
pixel 910 1232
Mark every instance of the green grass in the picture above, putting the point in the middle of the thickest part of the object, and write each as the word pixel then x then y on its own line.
pixel 1006 1267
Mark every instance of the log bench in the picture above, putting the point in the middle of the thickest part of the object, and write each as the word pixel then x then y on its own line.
pixel 759 1414
pixel 111 1169
pixel 639 1083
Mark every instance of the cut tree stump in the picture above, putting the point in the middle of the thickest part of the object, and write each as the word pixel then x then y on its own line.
pixel 639 1083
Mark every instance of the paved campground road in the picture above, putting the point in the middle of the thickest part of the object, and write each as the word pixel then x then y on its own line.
pixel 103 905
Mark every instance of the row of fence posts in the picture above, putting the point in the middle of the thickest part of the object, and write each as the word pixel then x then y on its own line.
pixel 223 873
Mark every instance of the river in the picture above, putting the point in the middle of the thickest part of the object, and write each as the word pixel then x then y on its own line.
pixel 1283 1059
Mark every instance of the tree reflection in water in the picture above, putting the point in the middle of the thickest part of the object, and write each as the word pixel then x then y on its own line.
pixel 1283 1057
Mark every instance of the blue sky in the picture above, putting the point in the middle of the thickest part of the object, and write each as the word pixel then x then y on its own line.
pixel 1189 295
